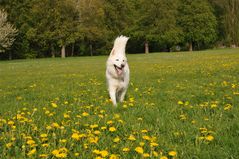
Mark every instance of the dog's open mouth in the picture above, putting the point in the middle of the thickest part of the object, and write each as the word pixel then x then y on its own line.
pixel 119 70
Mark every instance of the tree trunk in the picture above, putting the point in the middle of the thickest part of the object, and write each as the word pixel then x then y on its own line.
pixel 10 56
pixel 190 46
pixel 146 46
pixel 52 52
pixel 72 49
pixel 91 49
pixel 63 51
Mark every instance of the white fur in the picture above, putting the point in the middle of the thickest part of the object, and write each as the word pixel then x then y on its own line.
pixel 116 75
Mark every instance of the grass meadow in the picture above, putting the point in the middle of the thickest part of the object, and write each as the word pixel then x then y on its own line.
pixel 178 105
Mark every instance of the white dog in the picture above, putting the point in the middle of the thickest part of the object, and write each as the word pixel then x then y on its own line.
pixel 117 70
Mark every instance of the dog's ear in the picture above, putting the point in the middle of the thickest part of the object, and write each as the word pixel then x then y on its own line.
pixel 112 52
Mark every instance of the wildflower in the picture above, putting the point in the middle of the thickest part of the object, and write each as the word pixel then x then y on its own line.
pixel 113 156
pixel 132 138
pixel 126 149
pixel 146 155
pixel 209 138
pixel 172 153
pixel 117 139
pixel 8 145
pixel 144 131
pixel 60 153
pixel 139 150
pixel 30 142
pixel 145 137
pixel 163 157
pixel 104 153
pixel 180 102
pixel 43 135
pixel 77 154
pixel 97 152
pixel 75 136
pixel 112 129
pixel 45 145
pixel 54 105
pixel 85 114
pixel 30 153
pixel 153 144
pixel 43 156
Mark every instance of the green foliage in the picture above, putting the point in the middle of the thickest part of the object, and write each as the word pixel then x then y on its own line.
pixel 197 21
pixel 86 27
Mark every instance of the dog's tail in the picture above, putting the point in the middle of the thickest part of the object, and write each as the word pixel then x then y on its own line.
pixel 120 44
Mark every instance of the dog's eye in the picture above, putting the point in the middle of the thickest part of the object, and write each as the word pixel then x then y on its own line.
pixel 117 59
pixel 123 60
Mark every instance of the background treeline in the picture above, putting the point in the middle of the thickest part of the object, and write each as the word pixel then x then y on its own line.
pixel 88 27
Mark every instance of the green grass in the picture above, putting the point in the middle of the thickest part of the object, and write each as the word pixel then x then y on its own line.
pixel 181 99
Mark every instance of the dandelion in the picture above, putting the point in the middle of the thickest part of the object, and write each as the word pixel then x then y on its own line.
pixel 112 129
pixel 54 105
pixel 85 114
pixel 164 157
pixel 209 138
pixel 8 145
pixel 113 156
pixel 132 138
pixel 75 136
pixel 117 139
pixel 146 155
pixel 30 153
pixel 126 149
pixel 140 150
pixel 172 153
pixel 43 156
pixel 104 153
pixel 43 135
pixel 145 137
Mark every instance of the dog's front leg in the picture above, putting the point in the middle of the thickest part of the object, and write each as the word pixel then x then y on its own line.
pixel 112 92
pixel 122 95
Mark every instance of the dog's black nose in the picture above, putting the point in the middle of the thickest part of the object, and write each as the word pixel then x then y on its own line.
pixel 122 65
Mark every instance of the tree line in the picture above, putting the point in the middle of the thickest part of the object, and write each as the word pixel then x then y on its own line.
pixel 44 28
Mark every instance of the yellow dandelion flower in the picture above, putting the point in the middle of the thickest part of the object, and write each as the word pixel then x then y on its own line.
pixel 117 139
pixel 104 153
pixel 141 143
pixel 77 154
pixel 43 156
pixel 43 135
pixel 172 153
pixel 155 154
pixel 97 152
pixel 164 157
pixel 153 144
pixel 8 145
pixel 112 129
pixel 75 136
pixel 145 137
pixel 45 145
pixel 140 150
pixel 144 131
pixel 126 149
pixel 209 138
pixel 30 153
pixel 132 138
pixel 30 142
pixel 113 156
pixel 146 155
pixel 180 102
pixel 85 114
pixel 54 105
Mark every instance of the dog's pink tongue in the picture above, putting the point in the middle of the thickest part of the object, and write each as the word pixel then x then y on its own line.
pixel 119 71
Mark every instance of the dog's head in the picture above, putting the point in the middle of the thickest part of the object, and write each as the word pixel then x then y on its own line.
pixel 118 60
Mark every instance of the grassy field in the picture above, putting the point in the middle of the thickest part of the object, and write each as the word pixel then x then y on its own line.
pixel 178 105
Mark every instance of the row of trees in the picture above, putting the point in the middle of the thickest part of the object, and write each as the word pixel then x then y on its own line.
pixel 88 27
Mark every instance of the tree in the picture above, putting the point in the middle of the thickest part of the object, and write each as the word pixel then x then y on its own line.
pixel 54 23
pixel 228 18
pixel 198 22
pixel 92 27
pixel 7 32
pixel 157 23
